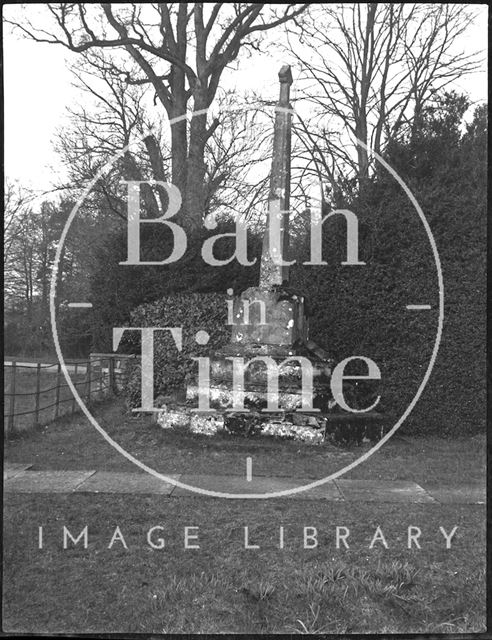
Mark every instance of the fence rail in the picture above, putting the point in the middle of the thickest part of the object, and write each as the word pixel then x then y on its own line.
pixel 36 393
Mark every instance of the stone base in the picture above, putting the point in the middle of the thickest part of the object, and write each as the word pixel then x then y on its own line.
pixel 269 323
pixel 256 373
pixel 253 384
pixel 304 428
pixel 222 398
pixel 310 428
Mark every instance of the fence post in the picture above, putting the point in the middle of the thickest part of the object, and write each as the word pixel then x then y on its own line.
pixel 75 385
pixel 101 377
pixel 88 381
pixel 112 377
pixel 57 405
pixel 10 426
pixel 38 390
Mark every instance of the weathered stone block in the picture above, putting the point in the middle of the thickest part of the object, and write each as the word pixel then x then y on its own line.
pixel 221 398
pixel 268 317
pixel 256 373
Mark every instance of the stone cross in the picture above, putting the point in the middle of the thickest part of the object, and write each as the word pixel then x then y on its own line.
pixel 276 244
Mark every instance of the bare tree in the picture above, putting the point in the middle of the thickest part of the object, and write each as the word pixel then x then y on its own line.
pixel 15 211
pixel 115 127
pixel 237 158
pixel 19 253
pixel 236 155
pixel 28 248
pixel 369 71
pixel 181 50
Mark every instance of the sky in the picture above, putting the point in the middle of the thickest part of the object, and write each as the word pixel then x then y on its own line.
pixel 38 88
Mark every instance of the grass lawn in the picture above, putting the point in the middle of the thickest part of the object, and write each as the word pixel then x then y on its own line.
pixel 73 443
pixel 223 587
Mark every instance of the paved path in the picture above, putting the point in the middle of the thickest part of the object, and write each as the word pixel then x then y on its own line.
pixel 20 478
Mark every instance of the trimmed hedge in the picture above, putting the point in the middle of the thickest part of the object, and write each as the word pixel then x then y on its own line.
pixel 190 311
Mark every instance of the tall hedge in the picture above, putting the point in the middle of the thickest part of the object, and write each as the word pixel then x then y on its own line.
pixel 361 310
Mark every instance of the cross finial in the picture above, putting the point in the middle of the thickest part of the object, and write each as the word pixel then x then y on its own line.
pixel 285 75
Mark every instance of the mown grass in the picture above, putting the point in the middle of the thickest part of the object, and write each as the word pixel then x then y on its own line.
pixel 224 588
pixel 73 443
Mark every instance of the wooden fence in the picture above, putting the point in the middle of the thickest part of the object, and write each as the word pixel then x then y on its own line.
pixel 36 393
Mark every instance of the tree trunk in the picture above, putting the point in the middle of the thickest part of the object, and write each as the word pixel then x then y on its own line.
pixel 179 147
pixel 179 129
pixel 194 200
pixel 362 154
